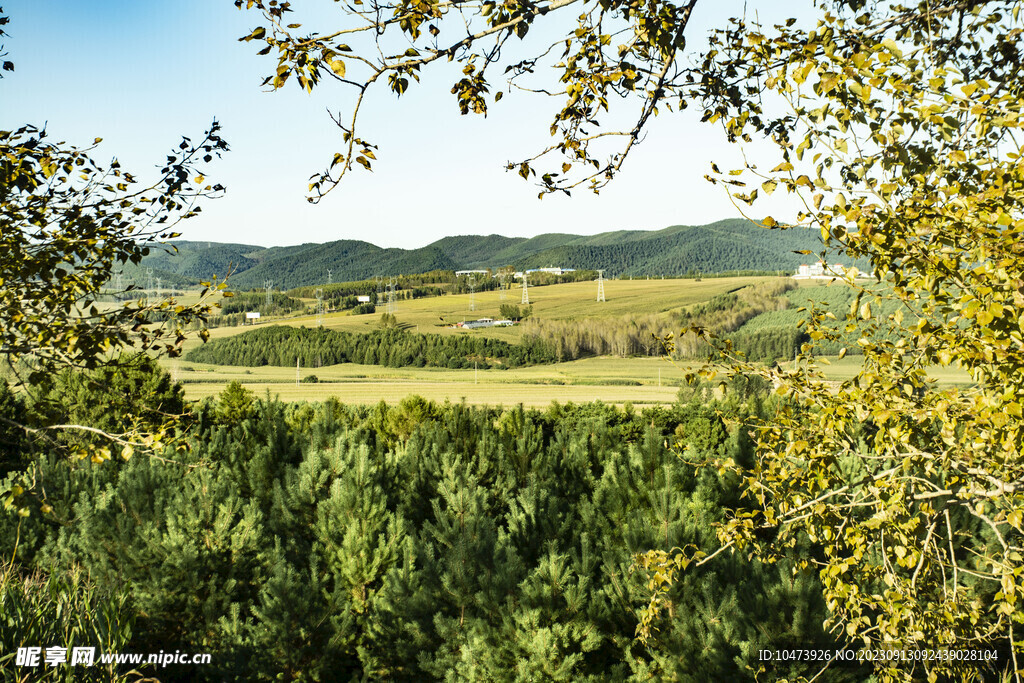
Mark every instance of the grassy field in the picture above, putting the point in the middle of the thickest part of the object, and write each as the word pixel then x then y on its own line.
pixel 613 380
pixel 475 394
pixel 553 302
pixel 847 367
pixel 642 381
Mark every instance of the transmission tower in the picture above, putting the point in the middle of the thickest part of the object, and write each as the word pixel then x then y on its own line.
pixel 526 293
pixel 502 277
pixel 600 285
pixel 471 281
pixel 269 286
pixel 149 279
pixel 328 276
pixel 119 283
pixel 391 296
pixel 158 287
pixel 319 307
pixel 380 296
pixel 298 371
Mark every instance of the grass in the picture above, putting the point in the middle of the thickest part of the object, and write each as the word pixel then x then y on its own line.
pixel 642 381
pixel 576 300
pixel 613 380
pixel 476 394
pixel 848 367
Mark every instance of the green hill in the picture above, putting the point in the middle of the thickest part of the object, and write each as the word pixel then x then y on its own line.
pixel 729 245
pixel 347 260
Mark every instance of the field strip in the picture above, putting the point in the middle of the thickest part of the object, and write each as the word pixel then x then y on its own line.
pixel 532 395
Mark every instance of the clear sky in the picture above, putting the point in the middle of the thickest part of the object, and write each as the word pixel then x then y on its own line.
pixel 141 73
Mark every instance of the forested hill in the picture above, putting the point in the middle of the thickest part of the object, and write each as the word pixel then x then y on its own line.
pixel 718 247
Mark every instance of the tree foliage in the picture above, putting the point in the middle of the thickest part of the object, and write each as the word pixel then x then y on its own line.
pixel 898 126
pixel 67 224
pixel 895 126
pixel 280 345
pixel 609 50
pixel 424 542
pixel 131 395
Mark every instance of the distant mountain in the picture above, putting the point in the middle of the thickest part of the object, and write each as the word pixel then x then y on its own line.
pixel 718 247
pixel 723 246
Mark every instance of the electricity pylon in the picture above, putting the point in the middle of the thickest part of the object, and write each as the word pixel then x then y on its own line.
pixel 502 277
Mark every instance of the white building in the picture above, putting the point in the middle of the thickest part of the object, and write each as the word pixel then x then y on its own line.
pixel 551 271
pixel 819 271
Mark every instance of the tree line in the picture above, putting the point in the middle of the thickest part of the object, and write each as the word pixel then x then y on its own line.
pixel 631 335
pixel 281 345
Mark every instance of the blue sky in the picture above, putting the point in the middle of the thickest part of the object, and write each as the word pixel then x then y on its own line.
pixel 140 74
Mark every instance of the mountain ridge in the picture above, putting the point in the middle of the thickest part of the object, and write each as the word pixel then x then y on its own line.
pixel 726 245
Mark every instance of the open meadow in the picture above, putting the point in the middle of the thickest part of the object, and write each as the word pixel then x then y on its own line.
pixel 575 300
pixel 612 380
pixel 638 380
pixel 642 381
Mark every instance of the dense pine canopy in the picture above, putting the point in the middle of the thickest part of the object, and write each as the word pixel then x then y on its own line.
pixel 282 346
pixel 333 542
